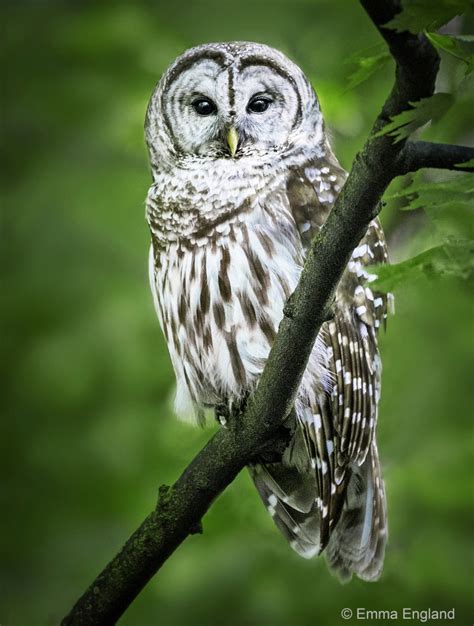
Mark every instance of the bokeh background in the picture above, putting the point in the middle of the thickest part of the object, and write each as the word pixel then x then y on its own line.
pixel 88 427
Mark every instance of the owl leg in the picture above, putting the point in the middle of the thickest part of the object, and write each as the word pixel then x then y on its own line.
pixel 229 412
pixel 221 413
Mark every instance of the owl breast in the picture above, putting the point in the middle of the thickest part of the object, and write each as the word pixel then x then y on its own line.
pixel 220 298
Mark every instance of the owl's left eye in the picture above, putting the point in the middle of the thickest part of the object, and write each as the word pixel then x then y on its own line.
pixel 204 106
pixel 258 104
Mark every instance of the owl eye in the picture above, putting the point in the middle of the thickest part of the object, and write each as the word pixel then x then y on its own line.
pixel 204 106
pixel 258 104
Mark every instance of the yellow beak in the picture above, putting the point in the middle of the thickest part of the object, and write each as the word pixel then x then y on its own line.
pixel 232 140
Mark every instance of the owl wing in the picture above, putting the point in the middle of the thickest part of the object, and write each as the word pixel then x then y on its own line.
pixel 337 425
pixel 342 433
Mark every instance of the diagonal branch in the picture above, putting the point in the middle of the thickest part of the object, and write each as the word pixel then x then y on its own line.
pixel 181 507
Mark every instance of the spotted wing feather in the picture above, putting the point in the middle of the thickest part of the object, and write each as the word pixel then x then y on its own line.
pixel 340 460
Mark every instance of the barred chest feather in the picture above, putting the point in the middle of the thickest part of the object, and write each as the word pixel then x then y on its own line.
pixel 219 291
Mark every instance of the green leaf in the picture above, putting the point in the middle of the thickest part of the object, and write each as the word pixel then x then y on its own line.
pixel 448 204
pixel 367 62
pixel 404 124
pixel 456 46
pixel 458 190
pixel 454 258
pixel 419 15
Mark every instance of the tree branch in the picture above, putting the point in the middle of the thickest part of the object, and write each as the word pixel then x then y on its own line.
pixel 419 154
pixel 181 507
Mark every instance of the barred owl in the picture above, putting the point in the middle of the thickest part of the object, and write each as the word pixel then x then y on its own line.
pixel 243 178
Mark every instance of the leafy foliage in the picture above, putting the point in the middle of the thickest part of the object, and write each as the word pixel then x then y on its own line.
pixel 458 46
pixel 454 259
pixel 420 15
pixel 450 206
pixel 420 194
pixel 426 110
pixel 367 62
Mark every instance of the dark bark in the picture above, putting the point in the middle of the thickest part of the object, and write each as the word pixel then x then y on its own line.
pixel 181 507
pixel 419 154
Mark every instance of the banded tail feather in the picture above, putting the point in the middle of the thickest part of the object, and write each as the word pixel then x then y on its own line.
pixel 358 535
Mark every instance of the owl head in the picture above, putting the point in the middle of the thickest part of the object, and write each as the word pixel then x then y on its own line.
pixel 231 101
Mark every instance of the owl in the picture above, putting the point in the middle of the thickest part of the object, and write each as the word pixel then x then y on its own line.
pixel 243 179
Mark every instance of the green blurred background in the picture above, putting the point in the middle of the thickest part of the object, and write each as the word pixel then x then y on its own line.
pixel 88 428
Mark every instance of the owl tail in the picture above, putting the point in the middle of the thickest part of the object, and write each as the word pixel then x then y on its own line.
pixel 357 543
pixel 289 496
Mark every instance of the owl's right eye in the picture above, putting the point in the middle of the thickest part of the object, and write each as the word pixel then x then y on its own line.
pixel 204 106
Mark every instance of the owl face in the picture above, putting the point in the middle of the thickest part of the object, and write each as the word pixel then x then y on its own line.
pixel 229 101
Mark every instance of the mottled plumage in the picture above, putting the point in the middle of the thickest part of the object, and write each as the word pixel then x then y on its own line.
pixel 243 178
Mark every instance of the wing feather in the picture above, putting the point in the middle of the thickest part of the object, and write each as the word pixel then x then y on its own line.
pixel 312 489
pixel 347 417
